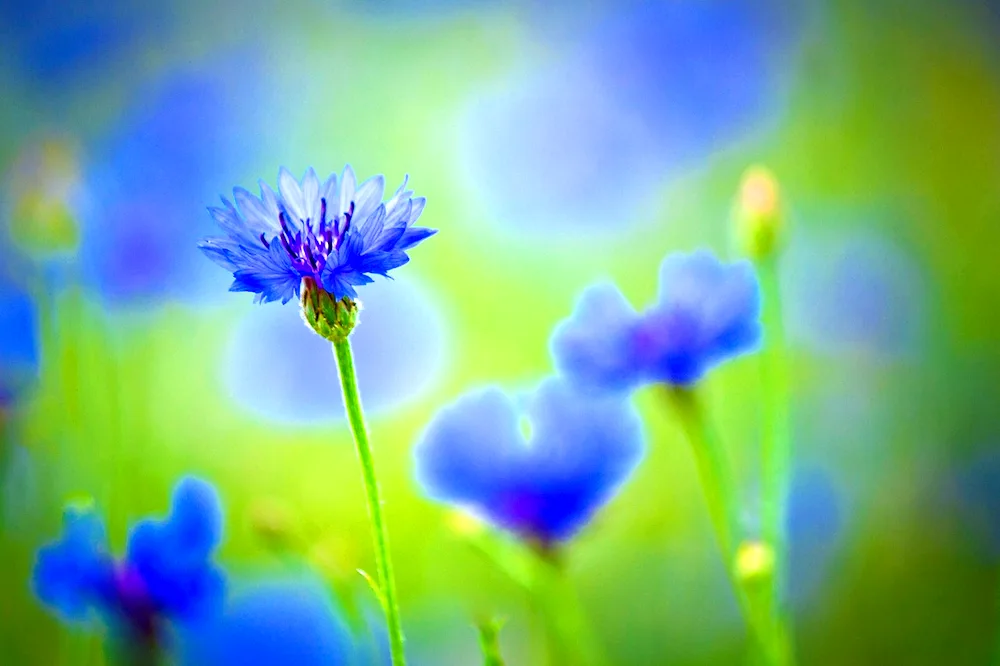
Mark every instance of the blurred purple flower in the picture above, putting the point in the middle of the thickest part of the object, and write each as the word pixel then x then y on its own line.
pixel 544 486
pixel 334 233
pixel 706 313
pixel 167 573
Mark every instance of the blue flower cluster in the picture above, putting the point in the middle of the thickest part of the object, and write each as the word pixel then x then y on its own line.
pixel 706 313
pixel 334 233
pixel 586 438
pixel 167 573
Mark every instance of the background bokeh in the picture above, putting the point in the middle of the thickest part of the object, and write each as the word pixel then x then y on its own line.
pixel 557 144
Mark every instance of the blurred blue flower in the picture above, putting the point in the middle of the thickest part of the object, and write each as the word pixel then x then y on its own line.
pixel 182 132
pixel 56 41
pixel 544 486
pixel 286 621
pixel 19 353
pixel 851 293
pixel 392 369
pixel 167 573
pixel 977 486
pixel 813 523
pixel 706 312
pixel 337 237
pixel 638 88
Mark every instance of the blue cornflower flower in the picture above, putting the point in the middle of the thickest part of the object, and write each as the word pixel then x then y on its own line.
pixel 706 312
pixel 331 235
pixel 167 573
pixel 543 487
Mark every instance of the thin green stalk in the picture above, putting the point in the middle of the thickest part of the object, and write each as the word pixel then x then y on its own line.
pixel 489 642
pixel 775 443
pixel 383 558
pixel 571 642
pixel 720 494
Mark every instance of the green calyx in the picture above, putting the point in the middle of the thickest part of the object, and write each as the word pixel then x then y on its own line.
pixel 331 319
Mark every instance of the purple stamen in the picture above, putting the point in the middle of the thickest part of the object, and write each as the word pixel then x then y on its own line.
pixel 347 224
pixel 322 212
pixel 267 246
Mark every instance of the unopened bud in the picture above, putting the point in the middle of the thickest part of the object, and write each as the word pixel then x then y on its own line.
pixel 754 561
pixel 759 214
pixel 331 319
pixel 272 522
pixel 42 185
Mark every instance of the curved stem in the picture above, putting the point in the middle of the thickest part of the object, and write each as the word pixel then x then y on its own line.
pixel 720 494
pixel 380 533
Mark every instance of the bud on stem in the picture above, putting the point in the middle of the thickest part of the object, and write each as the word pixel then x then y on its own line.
pixel 331 319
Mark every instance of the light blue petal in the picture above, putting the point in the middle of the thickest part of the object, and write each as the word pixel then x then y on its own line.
pixel 594 347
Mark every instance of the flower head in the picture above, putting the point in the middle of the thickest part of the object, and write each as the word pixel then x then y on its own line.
pixel 544 486
pixel 334 235
pixel 166 574
pixel 706 312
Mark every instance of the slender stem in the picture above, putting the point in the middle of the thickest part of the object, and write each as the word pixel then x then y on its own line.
pixel 720 494
pixel 571 642
pixel 775 445
pixel 489 642
pixel 383 559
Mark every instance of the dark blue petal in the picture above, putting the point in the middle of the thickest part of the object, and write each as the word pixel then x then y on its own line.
pixel 173 556
pixel 380 263
pixel 582 448
pixel 74 575
pixel 412 236
pixel 593 347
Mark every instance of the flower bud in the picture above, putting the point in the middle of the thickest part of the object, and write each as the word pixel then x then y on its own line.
pixel 759 214
pixel 42 185
pixel 754 561
pixel 331 319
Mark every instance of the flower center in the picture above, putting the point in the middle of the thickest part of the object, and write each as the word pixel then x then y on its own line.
pixel 309 246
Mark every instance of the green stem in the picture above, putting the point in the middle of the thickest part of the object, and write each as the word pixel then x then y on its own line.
pixel 720 494
pixel 489 642
pixel 775 445
pixel 383 559
pixel 571 642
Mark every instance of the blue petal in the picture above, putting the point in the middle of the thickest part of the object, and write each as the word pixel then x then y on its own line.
pixel 593 347
pixel 268 273
pixel 290 621
pixel 414 235
pixel 707 312
pixel 74 575
pixel 173 556
pixel 582 448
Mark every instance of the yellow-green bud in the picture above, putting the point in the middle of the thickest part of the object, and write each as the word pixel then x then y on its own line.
pixel 754 561
pixel 273 523
pixel 759 214
pixel 42 184
pixel 331 319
